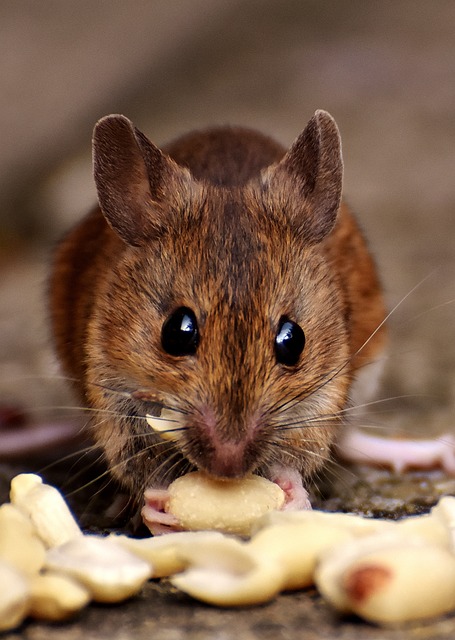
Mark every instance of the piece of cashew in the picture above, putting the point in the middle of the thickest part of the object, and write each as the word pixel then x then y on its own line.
pixel 201 502
pixel 297 547
pixel 396 582
pixel 14 597
pixel 357 525
pixel 56 597
pixel 166 425
pixel 225 573
pixel 108 570
pixel 19 544
pixel 162 552
pixel 46 508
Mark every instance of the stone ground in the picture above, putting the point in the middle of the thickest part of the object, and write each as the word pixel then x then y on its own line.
pixel 386 71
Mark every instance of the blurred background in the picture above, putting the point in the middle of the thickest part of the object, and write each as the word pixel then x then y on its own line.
pixel 384 70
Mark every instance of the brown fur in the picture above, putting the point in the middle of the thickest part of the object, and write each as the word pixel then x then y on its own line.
pixel 243 234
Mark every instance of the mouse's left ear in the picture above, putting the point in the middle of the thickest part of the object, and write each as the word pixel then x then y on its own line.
pixel 311 173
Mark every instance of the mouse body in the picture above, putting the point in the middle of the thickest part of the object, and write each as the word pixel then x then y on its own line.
pixel 223 286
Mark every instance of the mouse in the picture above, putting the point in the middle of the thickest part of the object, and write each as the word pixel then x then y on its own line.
pixel 223 289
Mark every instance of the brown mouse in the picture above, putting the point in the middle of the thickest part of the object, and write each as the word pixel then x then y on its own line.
pixel 223 281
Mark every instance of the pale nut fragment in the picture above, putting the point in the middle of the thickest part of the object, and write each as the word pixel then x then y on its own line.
pixel 56 597
pixel 429 527
pixel 201 502
pixel 444 512
pixel 355 524
pixel 333 566
pixel 402 584
pixel 226 574
pixel 162 552
pixel 19 545
pixel 297 548
pixel 109 571
pixel 165 425
pixel 46 508
pixel 14 597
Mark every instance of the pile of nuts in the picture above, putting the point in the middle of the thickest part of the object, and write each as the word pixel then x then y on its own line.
pixel 51 570
pixel 385 572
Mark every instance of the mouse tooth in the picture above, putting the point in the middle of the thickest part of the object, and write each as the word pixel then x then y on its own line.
pixel 167 427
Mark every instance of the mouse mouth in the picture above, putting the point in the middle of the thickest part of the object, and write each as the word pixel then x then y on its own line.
pixel 168 425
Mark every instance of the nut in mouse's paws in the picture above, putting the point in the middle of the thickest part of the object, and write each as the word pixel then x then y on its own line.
pixel 197 502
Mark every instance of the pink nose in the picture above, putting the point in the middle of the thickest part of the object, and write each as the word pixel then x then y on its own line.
pixel 226 460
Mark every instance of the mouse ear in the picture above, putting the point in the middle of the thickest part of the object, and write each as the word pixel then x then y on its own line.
pixel 314 166
pixel 134 179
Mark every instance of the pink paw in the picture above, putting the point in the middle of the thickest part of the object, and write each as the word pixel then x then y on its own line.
pixel 290 481
pixel 154 515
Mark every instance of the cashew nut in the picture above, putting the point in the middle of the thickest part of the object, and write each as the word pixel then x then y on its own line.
pixel 56 597
pixel 110 572
pixel 14 597
pixel 201 502
pixel 46 508
pixel 389 579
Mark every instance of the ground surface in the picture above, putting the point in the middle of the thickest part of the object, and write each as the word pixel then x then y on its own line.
pixel 386 71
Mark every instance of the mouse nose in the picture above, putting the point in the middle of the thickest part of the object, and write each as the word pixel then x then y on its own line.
pixel 226 460
pixel 223 446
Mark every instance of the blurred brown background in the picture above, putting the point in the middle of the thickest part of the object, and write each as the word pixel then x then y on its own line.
pixel 386 72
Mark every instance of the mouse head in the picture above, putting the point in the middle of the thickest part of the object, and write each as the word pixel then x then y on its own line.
pixel 221 306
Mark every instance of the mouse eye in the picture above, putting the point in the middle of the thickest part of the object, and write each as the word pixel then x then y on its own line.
pixel 289 342
pixel 180 334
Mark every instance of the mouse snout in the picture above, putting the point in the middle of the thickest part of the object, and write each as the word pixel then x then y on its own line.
pixel 220 452
pixel 226 460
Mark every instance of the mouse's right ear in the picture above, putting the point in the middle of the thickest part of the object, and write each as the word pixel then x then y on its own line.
pixel 135 181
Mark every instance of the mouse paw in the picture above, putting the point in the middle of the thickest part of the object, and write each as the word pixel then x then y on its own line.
pixel 154 514
pixel 290 481
pixel 356 446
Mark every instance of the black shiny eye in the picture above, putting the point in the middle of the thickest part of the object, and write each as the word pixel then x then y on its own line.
pixel 180 333
pixel 289 342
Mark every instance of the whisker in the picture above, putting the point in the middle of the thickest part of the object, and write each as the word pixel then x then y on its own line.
pixel 404 396
pixel 80 452
pixel 303 424
pixel 170 468
pixel 175 420
pixel 122 393
pixel 331 375
pixel 296 455
pixel 424 313
pixel 77 410
pixel 392 311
